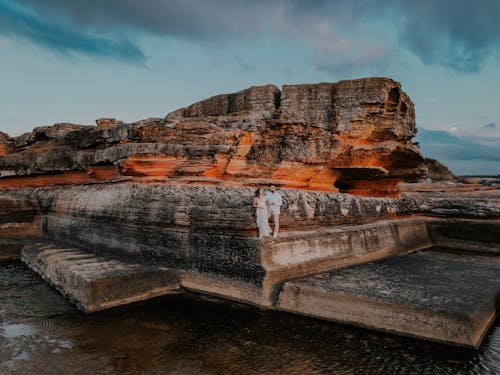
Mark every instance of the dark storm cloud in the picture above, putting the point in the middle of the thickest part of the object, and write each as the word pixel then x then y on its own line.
pixel 182 18
pixel 458 34
pixel 454 33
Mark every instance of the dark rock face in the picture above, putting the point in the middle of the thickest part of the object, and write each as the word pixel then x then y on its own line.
pixel 10 249
pixel 470 235
pixel 353 136
pixel 211 231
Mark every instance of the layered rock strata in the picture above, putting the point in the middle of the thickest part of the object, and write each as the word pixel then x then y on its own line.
pixel 450 201
pixel 208 234
pixel 20 214
pixel 353 136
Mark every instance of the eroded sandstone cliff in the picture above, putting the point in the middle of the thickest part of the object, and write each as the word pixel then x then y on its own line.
pixel 351 136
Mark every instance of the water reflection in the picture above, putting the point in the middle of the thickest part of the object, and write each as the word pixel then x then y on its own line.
pixel 41 331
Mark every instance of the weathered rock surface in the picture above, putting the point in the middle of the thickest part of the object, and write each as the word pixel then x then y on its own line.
pixel 491 181
pixel 352 136
pixel 6 144
pixel 433 295
pixel 176 193
pixel 217 209
pixel 108 122
pixel 437 171
pixel 95 283
pixel 208 233
pixel 451 202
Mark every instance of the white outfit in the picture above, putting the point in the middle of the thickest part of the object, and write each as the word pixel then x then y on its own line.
pixel 262 218
pixel 274 202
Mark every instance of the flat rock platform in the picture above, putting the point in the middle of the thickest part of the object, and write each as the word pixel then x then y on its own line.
pixel 95 283
pixel 436 295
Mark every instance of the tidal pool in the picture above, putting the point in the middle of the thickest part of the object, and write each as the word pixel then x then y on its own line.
pixel 42 333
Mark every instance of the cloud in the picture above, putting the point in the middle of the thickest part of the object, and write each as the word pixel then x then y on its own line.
pixel 454 146
pixel 461 153
pixel 21 21
pixel 488 135
pixel 452 129
pixel 490 126
pixel 210 22
pixel 457 34
pixel 200 20
pixel 343 33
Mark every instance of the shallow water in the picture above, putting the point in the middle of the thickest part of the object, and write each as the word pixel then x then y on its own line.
pixel 41 333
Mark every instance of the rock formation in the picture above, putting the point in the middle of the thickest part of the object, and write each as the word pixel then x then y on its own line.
pixel 5 144
pixel 108 122
pixel 117 212
pixel 353 136
pixel 436 171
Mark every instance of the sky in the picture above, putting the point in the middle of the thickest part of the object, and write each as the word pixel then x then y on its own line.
pixel 76 61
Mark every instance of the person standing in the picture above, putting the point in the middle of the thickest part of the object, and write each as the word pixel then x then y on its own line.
pixel 262 216
pixel 274 202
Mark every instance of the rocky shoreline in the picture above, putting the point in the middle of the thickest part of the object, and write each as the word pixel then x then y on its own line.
pixel 116 213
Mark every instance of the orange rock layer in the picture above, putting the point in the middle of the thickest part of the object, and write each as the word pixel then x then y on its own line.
pixel 350 136
pixel 4 149
pixel 91 175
